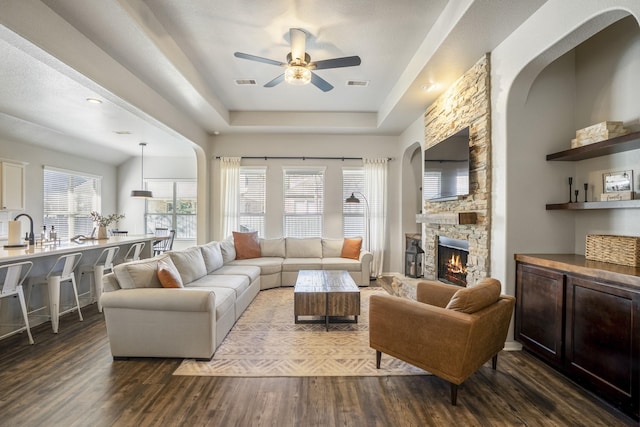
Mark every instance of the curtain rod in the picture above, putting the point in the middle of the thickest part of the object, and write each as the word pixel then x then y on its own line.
pixel 300 158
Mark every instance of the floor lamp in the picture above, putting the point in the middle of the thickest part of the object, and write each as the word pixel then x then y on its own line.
pixel 354 199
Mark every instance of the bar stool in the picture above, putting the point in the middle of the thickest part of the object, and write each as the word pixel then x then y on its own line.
pixel 133 254
pixel 62 271
pixel 16 274
pixel 102 264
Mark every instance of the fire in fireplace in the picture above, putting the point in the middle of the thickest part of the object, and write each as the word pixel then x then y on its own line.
pixel 452 260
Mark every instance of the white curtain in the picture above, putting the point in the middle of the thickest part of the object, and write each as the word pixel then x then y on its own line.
pixel 229 194
pixel 375 188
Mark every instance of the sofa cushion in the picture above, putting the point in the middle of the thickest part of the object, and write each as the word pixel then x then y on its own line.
pixel 295 264
pixel 246 244
pixel 228 249
pixel 475 298
pixel 272 247
pixel 190 263
pixel 139 274
pixel 339 263
pixel 351 248
pixel 332 248
pixel 251 271
pixel 212 255
pixel 268 265
pixel 239 283
pixel 309 247
pixel 168 274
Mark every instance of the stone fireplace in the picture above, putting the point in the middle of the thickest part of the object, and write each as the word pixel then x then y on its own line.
pixel 453 255
pixel 465 104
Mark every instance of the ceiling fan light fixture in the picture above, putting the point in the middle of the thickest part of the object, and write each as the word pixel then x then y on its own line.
pixel 297 75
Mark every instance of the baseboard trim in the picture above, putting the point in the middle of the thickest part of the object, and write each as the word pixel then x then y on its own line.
pixel 512 346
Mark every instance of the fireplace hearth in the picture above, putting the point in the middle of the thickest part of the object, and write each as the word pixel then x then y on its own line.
pixel 452 260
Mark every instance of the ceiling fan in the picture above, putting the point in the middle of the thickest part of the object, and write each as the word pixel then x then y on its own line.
pixel 299 68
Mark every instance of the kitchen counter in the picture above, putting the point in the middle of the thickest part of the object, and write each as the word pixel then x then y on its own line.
pixel 65 247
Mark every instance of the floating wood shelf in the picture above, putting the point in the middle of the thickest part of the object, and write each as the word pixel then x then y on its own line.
pixel 621 204
pixel 619 144
pixel 455 218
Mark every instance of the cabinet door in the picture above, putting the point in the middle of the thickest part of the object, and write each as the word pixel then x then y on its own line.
pixel 602 339
pixel 12 190
pixel 539 311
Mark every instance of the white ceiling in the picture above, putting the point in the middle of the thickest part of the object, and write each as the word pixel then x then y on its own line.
pixel 165 69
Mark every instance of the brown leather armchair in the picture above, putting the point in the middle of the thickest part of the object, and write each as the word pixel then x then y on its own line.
pixel 450 331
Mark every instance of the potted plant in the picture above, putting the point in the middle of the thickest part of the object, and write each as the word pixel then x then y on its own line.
pixel 103 221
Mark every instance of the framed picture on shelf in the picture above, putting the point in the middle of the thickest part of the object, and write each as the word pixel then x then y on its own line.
pixel 614 182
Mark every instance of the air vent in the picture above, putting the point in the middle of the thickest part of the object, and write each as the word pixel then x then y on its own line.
pixel 360 83
pixel 243 82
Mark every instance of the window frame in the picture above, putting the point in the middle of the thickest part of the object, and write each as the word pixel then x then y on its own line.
pixel 318 215
pixel 172 215
pixel 255 170
pixel 73 216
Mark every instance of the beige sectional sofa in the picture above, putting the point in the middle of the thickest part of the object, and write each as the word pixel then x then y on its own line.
pixel 282 258
pixel 144 319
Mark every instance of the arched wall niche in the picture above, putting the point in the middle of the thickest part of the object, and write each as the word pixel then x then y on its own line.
pixel 533 110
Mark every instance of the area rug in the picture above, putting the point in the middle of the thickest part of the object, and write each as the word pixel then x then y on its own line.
pixel 265 342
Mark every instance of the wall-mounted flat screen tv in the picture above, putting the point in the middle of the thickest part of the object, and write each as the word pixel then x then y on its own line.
pixel 446 168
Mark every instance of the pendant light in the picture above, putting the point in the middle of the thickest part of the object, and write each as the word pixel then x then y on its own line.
pixel 146 194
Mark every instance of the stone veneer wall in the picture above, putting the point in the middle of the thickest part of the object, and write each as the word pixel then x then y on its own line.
pixel 465 103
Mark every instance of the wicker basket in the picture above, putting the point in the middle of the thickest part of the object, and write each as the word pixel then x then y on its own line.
pixel 623 250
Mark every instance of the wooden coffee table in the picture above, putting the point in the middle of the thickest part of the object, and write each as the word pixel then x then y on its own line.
pixel 329 294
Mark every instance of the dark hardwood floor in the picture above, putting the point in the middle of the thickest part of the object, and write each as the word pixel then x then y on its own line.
pixel 70 379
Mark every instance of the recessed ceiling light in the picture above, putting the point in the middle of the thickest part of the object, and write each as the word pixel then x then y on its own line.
pixel 216 132
pixel 94 100
pixel 430 87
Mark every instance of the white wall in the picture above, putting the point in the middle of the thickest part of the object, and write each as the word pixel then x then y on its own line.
pixel 410 147
pixel 607 88
pixel 38 157
pixel 516 65
pixel 154 168
pixel 299 145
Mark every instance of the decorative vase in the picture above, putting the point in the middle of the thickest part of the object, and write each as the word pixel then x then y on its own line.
pixel 102 232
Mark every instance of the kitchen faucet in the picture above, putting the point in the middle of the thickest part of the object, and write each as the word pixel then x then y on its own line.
pixel 31 237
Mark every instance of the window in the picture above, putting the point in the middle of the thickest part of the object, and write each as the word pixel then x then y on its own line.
pixel 173 206
pixel 353 214
pixel 303 202
pixel 68 199
pixel 252 199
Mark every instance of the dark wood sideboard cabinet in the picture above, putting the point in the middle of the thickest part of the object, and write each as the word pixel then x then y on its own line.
pixel 582 318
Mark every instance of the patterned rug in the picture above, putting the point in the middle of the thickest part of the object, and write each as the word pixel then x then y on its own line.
pixel 265 342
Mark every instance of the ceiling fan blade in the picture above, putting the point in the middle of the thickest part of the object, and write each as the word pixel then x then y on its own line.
pixel 320 83
pixel 347 61
pixel 298 43
pixel 259 59
pixel 275 81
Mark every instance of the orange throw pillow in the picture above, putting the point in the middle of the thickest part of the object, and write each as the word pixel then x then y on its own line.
pixel 168 274
pixel 351 248
pixel 247 245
